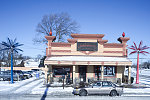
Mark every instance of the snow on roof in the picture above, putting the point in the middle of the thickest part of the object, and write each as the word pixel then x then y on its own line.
pixel 31 63
pixel 88 58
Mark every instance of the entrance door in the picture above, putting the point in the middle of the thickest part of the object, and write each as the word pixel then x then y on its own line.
pixel 82 73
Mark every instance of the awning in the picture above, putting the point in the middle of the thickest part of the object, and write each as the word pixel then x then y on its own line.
pixel 87 60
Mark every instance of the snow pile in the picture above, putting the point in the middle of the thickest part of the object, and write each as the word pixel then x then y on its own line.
pixel 136 90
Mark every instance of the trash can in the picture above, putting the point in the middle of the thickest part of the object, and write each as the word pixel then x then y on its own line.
pixel 37 75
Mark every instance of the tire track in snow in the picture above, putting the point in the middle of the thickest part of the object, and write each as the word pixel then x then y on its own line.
pixel 26 88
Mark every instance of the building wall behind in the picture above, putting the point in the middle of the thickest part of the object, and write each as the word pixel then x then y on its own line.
pixel 104 49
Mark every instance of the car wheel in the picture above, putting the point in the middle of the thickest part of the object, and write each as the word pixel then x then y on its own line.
pixel 83 92
pixel 113 93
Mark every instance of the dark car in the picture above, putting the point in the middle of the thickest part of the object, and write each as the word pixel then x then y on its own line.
pixel 20 73
pixel 100 87
pixel 6 76
pixel 27 74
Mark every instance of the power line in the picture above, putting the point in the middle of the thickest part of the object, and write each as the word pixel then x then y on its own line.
pixel 139 58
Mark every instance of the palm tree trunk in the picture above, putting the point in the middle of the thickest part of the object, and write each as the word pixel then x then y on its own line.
pixel 12 67
pixel 137 73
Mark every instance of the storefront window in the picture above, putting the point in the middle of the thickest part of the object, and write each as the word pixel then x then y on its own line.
pixel 97 70
pixel 108 70
pixel 61 71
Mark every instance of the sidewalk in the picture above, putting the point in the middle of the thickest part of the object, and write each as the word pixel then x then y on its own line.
pixel 67 91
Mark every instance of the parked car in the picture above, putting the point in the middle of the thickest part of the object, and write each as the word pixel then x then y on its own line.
pixel 6 76
pixel 100 87
pixel 20 73
pixel 31 72
pixel 27 74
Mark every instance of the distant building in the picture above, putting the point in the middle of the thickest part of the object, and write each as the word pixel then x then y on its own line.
pixel 87 57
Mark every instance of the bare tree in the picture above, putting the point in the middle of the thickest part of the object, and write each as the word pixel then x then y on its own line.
pixel 61 25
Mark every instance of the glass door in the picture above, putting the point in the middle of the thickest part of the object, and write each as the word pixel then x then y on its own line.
pixel 82 73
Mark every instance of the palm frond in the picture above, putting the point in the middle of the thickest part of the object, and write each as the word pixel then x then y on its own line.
pixel 135 46
pixel 15 40
pixel 133 52
pixel 144 52
pixel 5 44
pixel 144 47
pixel 132 48
pixel 17 44
pixel 4 49
pixel 140 45
pixel 18 49
pixel 11 45
pixel 9 41
pixel 15 50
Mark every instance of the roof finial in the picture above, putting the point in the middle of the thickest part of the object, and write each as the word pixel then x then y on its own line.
pixel 123 34
pixel 50 33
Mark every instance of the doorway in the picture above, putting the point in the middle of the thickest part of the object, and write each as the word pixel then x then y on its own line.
pixel 82 73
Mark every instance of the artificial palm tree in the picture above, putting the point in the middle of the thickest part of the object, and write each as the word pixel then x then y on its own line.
pixel 12 47
pixel 138 50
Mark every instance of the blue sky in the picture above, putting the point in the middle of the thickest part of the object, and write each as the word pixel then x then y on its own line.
pixel 19 18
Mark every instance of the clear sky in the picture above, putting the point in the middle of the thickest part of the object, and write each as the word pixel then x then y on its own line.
pixel 19 18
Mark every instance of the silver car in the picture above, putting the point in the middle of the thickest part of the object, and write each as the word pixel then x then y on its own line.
pixel 100 87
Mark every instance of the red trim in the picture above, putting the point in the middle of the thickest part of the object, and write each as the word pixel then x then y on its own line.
pixel 60 44
pixel 61 50
pixel 102 62
pixel 72 41
pixel 112 51
pixel 91 55
pixel 113 45
pixel 89 52
pixel 50 38
pixel 58 62
pixel 123 39
pixel 73 62
pixel 102 41
pixel 116 63
pixel 54 66
pixel 91 36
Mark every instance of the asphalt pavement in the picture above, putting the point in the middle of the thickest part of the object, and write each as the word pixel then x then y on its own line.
pixel 61 97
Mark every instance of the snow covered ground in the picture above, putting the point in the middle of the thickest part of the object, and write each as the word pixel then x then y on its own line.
pixel 144 76
pixel 19 86
pixel 35 86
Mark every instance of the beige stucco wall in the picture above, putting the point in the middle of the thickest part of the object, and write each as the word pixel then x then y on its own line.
pixel 90 71
pixel 77 71
pixel 120 72
pixel 74 51
pixel 87 40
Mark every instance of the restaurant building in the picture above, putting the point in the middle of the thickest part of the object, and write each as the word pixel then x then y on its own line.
pixel 86 57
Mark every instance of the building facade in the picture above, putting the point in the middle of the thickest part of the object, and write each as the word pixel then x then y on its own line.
pixel 86 57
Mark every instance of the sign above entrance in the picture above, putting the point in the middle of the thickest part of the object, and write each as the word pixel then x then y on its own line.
pixel 87 46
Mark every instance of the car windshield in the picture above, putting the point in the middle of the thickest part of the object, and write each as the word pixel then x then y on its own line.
pixel 107 84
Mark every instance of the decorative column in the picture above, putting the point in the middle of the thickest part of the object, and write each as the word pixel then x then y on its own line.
pixel 102 72
pixel 46 69
pixel 129 75
pixel 74 73
pixel 50 73
pixel 50 39
pixel 124 40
